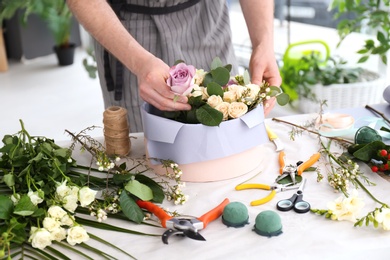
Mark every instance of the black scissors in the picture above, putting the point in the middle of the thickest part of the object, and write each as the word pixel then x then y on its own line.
pixel 295 202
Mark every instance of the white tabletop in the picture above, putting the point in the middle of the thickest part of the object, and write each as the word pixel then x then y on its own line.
pixel 305 236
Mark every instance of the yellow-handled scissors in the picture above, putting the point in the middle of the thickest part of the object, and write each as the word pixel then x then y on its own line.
pixel 273 188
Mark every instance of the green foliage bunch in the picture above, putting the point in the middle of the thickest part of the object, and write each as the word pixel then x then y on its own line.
pixel 55 13
pixel 371 14
pixel 299 77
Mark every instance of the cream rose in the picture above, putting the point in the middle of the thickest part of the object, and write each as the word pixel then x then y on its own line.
pixel 62 190
pixel 70 203
pixel 237 89
pixel 214 100
pixel 253 90
pixel 196 91
pixel 86 196
pixel 51 224
pixel 56 212
pixel 67 220
pixel 229 96
pixel 77 235
pixel 40 238
pixel 199 76
pixel 237 109
pixel 223 107
pixel 58 234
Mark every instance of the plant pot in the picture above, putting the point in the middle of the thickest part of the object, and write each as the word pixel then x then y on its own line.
pixel 349 95
pixel 65 55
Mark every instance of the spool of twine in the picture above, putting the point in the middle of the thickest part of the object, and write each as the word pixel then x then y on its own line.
pixel 116 131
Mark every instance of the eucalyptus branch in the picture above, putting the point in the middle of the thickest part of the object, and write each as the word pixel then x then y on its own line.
pixel 378 112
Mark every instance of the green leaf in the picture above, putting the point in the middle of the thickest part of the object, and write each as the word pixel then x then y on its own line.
pixel 209 116
pixel 214 89
pixel 131 210
pixel 119 179
pixel 6 207
pixel 369 151
pixel 62 152
pixel 283 99
pixel 216 63
pixel 9 179
pixel 25 207
pixel 158 192
pixel 139 190
pixel 246 77
pixel 220 76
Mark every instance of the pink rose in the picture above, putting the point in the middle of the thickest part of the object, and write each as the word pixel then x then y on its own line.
pixel 180 78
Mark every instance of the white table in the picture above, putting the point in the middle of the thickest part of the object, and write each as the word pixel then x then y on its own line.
pixel 305 236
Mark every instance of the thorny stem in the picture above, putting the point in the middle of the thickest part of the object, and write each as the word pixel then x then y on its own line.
pixel 379 113
pixel 311 131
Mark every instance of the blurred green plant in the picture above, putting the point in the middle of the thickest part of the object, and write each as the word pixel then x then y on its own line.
pixel 369 14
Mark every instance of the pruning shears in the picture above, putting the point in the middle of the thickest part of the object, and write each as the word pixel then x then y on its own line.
pixel 184 225
pixel 292 170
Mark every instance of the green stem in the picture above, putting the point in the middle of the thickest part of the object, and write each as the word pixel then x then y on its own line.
pixel 369 193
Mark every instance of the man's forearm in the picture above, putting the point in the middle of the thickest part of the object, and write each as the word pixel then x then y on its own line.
pixel 259 17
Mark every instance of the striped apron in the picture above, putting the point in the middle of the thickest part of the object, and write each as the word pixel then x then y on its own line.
pixel 196 34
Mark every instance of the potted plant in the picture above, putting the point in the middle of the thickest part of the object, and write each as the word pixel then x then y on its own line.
pixel 373 15
pixel 312 79
pixel 57 16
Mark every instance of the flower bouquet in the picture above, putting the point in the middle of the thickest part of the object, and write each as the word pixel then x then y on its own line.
pixel 220 137
pixel 46 198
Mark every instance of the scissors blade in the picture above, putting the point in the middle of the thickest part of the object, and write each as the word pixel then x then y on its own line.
pixel 275 139
pixel 188 233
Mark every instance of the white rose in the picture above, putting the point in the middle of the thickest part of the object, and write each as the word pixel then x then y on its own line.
pixel 196 91
pixel 229 96
pixel 237 89
pixel 36 197
pixel 40 238
pixel 51 223
pixel 62 190
pixel 58 234
pixel 70 203
pixel 199 76
pixel 223 107
pixel 254 90
pixel 56 212
pixel 67 220
pixel 77 235
pixel 74 191
pixel 205 95
pixel 214 100
pixel 86 196
pixel 383 217
pixel 237 109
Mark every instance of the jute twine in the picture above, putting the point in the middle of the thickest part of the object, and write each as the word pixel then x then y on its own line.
pixel 116 131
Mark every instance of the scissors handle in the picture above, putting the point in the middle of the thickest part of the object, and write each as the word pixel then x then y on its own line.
pixel 296 202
